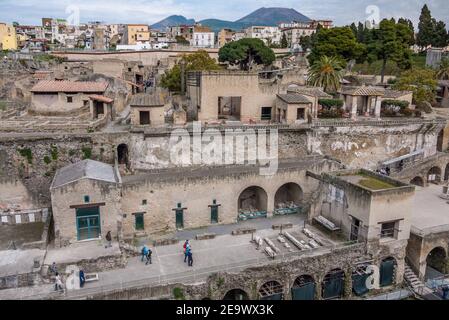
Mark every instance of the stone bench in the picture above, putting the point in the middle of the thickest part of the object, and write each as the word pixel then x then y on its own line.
pixel 242 231
pixel 165 242
pixel 91 277
pixel 282 226
pixel 205 236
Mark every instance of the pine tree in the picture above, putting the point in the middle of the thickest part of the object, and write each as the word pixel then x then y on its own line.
pixel 426 28
pixel 284 42
pixel 440 38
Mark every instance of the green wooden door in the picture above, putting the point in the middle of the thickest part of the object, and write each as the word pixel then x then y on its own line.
pixel 88 223
pixel 305 292
pixel 214 214
pixel 179 219
pixel 139 221
pixel 387 273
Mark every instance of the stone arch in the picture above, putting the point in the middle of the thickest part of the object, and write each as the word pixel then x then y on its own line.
pixel 417 181
pixel 303 288
pixel 434 174
pixel 236 294
pixel 288 198
pixel 271 290
pixel 436 262
pixel 252 200
pixel 446 173
pixel 333 285
pixel 387 271
pixel 123 154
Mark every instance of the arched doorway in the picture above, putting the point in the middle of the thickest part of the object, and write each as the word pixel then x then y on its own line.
pixel 288 199
pixel 304 288
pixel 236 294
pixel 387 272
pixel 360 276
pixel 333 285
pixel 446 173
pixel 271 290
pixel 434 175
pixel 417 181
pixel 436 263
pixel 252 203
pixel 123 154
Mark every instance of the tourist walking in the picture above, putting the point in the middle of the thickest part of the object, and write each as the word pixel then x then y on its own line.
pixel 58 282
pixel 190 258
pixel 109 240
pixel 186 252
pixel 53 268
pixel 82 278
pixel 149 253
pixel 144 252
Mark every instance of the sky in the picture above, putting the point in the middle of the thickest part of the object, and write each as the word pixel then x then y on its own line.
pixel 342 12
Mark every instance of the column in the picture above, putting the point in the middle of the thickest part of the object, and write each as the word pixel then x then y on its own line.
pixel 377 108
pixel 354 107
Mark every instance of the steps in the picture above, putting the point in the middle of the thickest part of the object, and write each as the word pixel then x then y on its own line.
pixel 417 285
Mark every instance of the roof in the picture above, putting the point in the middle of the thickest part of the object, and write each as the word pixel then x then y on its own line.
pixel 148 100
pixel 89 169
pixel 394 94
pixel 363 91
pixel 312 91
pixel 293 98
pixel 69 86
pixel 104 99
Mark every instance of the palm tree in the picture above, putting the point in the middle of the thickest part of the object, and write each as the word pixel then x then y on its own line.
pixel 443 69
pixel 326 73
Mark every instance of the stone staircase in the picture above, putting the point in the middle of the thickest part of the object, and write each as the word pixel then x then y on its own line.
pixel 416 285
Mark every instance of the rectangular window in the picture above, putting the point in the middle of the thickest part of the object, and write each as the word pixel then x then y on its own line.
pixel 140 224
pixel 4 219
pixel 388 230
pixel 31 217
pixel 18 218
pixel 86 199
pixel 144 117
pixel 144 202
pixel 300 114
pixel 69 99
pixel 266 113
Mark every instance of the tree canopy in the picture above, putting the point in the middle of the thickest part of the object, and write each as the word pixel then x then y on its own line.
pixel 430 31
pixel 246 52
pixel 390 42
pixel 198 61
pixel 336 42
pixel 421 81
pixel 326 73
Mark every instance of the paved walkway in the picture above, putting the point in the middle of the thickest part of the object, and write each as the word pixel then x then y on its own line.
pixel 225 252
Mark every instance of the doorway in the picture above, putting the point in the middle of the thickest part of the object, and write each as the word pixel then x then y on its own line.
pixel 88 223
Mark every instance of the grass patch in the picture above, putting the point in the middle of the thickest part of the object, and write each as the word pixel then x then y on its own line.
pixel 54 153
pixel 178 293
pixel 374 183
pixel 47 160
pixel 87 153
pixel 2 105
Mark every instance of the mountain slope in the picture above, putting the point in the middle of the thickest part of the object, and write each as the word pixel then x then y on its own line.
pixel 216 25
pixel 172 21
pixel 272 17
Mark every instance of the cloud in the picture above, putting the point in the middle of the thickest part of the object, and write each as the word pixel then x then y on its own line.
pixel 150 11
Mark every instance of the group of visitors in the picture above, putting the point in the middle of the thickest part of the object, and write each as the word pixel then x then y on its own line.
pixel 58 279
pixel 146 254
pixel 188 257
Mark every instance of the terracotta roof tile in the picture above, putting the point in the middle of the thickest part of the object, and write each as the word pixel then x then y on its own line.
pixel 363 91
pixel 293 98
pixel 101 98
pixel 69 86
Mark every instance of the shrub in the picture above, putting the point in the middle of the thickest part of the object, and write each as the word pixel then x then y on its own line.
pixel 331 114
pixel 47 160
pixel 395 103
pixel 330 103
pixel 54 152
pixel 87 152
pixel 178 293
pixel 26 153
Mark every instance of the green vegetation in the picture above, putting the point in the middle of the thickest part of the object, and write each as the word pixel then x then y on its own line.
pixel 199 61
pixel 26 153
pixel 44 57
pixel 178 293
pixel 87 153
pixel 47 160
pixel 395 103
pixel 182 41
pixel 421 81
pixel 2 105
pixel 443 69
pixel 431 32
pixel 330 103
pixel 54 153
pixel 374 183
pixel 246 52
pixel 72 153
pixel 326 73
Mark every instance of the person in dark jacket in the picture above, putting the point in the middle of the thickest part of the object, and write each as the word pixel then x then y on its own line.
pixel 109 240
pixel 190 258
pixel 149 256
pixel 82 278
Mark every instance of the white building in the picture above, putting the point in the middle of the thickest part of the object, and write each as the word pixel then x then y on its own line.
pixel 269 35
pixel 203 39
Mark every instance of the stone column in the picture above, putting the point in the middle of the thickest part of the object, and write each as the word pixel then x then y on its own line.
pixel 354 107
pixel 377 107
